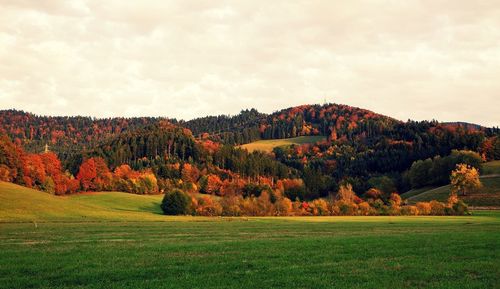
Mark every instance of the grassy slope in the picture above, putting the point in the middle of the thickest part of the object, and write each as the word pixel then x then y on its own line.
pixel 18 203
pixel 415 192
pixel 491 168
pixel 488 195
pixel 269 145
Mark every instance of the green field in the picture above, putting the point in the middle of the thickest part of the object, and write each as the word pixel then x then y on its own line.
pixel 21 204
pixel 269 145
pixel 117 240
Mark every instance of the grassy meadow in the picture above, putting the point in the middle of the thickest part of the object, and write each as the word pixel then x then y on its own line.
pixel 117 240
pixel 269 145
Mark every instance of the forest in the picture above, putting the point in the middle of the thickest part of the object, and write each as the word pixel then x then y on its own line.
pixel 366 160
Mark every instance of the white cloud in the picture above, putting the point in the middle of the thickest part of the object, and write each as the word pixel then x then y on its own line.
pixel 407 59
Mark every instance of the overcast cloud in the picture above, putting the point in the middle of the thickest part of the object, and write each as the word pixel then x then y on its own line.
pixel 183 59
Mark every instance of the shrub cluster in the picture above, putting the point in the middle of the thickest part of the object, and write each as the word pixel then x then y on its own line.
pixel 345 203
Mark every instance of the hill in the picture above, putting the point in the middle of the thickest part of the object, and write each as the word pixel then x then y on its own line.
pixel 331 119
pixel 359 145
pixel 269 145
pixel 19 203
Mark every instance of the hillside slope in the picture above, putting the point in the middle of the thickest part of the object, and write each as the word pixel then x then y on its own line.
pixel 487 196
pixel 19 204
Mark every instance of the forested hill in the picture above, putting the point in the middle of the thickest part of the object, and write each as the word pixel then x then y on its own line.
pixel 360 146
pixel 334 120
pixel 63 132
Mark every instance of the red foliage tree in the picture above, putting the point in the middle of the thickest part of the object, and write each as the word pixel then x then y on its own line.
pixel 214 184
pixel 33 170
pixel 94 174
pixel 52 163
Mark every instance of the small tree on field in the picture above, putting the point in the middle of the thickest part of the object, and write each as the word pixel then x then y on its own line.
pixel 176 202
pixel 464 180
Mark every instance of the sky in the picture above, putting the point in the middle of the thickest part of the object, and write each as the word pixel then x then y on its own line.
pixel 184 59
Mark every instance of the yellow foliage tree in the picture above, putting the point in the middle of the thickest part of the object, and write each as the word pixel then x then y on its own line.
pixel 464 180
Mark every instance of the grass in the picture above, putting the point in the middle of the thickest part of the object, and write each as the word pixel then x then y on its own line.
pixel 269 145
pixel 491 168
pixel 398 252
pixel 21 204
pixel 415 192
pixel 116 240
pixel 487 196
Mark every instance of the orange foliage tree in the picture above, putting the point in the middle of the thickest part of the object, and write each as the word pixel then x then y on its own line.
pixel 94 174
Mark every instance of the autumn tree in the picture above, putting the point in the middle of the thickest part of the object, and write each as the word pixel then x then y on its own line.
pixel 57 182
pixel 208 206
pixel 464 180
pixel 395 204
pixel 231 205
pixel 5 173
pixel 94 174
pixel 211 184
pixel 283 207
pixel 346 194
pixel 10 160
pixel 33 170
pixel 51 163
pixel 373 194
pixel 345 203
pixel 424 208
pixel 190 173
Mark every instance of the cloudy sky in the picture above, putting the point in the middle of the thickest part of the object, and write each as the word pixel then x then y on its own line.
pixel 407 59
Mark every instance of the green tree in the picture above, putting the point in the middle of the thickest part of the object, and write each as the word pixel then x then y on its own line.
pixel 419 173
pixel 176 202
pixel 384 184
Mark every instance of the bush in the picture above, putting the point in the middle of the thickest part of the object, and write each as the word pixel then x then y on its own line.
pixel 437 208
pixel 284 207
pixel 379 207
pixel 365 209
pixel 176 202
pixel 424 208
pixel 346 208
pixel 373 194
pixel 319 207
pixel 409 211
pixel 231 205
pixel 207 206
